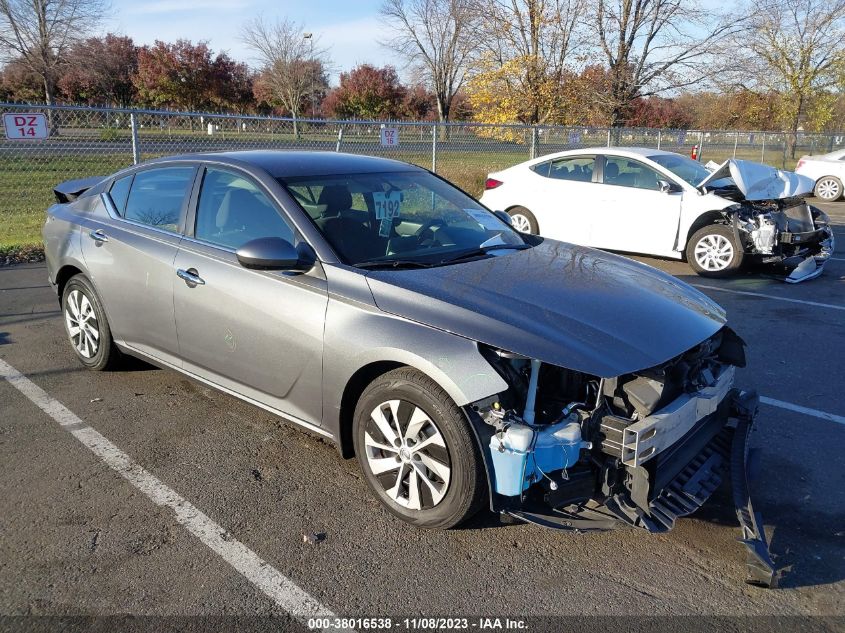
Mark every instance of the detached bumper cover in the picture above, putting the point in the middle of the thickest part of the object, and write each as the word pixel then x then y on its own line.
pixel 677 482
pixel 808 266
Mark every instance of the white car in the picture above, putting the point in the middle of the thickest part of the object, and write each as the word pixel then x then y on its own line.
pixel 827 171
pixel 653 202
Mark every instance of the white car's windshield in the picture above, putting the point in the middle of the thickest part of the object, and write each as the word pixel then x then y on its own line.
pixel 686 169
pixel 399 218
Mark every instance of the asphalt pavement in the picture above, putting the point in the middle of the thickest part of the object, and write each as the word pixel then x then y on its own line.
pixel 78 537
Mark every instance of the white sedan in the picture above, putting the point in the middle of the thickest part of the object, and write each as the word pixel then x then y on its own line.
pixel 827 171
pixel 654 202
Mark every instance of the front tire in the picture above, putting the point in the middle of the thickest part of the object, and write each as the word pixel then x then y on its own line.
pixel 828 188
pixel 523 220
pixel 417 451
pixel 86 325
pixel 714 251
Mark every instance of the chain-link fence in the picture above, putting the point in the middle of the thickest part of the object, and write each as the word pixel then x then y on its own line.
pixel 82 142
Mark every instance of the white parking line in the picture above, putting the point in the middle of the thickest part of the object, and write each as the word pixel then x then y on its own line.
pixel 765 296
pixel 823 415
pixel 272 582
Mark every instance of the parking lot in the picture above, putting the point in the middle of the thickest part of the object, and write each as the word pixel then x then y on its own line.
pixel 193 503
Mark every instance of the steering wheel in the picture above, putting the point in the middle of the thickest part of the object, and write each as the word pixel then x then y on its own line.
pixel 427 228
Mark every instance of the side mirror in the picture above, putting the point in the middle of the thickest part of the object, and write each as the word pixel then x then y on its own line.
pixel 504 217
pixel 664 186
pixel 270 253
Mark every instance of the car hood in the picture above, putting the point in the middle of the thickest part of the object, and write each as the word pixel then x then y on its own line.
pixel 760 182
pixel 567 305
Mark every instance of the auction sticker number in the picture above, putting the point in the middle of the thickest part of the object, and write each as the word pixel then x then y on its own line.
pixel 390 137
pixel 25 126
pixel 387 204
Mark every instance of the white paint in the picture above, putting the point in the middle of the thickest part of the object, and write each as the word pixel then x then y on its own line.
pixel 284 592
pixel 822 415
pixel 765 296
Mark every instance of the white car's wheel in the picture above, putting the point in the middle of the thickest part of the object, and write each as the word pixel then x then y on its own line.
pixel 828 188
pixel 523 220
pixel 713 251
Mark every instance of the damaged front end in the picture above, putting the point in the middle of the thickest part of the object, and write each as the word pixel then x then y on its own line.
pixel 572 451
pixel 771 218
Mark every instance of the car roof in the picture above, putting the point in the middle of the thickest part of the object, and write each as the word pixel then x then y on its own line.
pixel 620 151
pixel 292 163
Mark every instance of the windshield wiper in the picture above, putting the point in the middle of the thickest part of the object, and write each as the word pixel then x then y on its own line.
pixel 481 251
pixel 393 263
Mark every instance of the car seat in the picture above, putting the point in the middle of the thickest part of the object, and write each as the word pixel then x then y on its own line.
pixel 611 172
pixel 348 236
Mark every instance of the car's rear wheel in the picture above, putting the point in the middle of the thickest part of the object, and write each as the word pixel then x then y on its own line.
pixel 416 449
pixel 714 251
pixel 828 188
pixel 523 220
pixel 86 325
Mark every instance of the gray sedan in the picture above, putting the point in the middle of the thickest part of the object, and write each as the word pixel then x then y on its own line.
pixel 464 364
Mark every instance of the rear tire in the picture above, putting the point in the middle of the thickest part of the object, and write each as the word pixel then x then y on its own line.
pixel 86 325
pixel 828 188
pixel 714 251
pixel 523 220
pixel 441 483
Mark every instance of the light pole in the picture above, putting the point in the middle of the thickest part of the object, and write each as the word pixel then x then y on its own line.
pixel 310 38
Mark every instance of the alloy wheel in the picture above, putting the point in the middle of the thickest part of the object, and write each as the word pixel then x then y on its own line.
pixel 521 223
pixel 828 189
pixel 82 326
pixel 714 252
pixel 407 454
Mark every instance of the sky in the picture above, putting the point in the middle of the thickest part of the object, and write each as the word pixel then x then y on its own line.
pixel 349 29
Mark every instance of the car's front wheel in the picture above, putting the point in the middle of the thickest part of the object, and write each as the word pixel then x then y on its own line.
pixel 417 452
pixel 523 220
pixel 828 188
pixel 86 325
pixel 714 251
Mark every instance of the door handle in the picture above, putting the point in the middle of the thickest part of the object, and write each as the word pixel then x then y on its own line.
pixel 98 236
pixel 191 277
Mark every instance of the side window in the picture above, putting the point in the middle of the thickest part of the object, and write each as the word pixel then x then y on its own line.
pixel 578 168
pixel 232 210
pixel 156 196
pixel 630 173
pixel 541 168
pixel 119 192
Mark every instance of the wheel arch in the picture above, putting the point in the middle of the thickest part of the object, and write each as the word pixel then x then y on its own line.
pixel 705 219
pixel 64 275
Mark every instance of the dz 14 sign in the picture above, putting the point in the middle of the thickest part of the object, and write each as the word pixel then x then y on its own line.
pixel 25 126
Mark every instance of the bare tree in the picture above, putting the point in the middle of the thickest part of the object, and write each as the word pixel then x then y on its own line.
pixel 436 38
pixel 292 65
pixel 652 46
pixel 799 48
pixel 539 40
pixel 40 32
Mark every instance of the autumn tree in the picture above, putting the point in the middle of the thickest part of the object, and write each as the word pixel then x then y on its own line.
pixel 653 46
pixel 367 92
pixel 530 45
pixel 19 83
pixel 100 70
pixel 39 33
pixel 799 51
pixel 437 39
pixel 292 66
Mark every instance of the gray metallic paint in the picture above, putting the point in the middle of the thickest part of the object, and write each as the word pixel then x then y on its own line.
pixel 300 338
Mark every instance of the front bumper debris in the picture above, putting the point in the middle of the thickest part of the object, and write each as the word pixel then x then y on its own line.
pixel 677 482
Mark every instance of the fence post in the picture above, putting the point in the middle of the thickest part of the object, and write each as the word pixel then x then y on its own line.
pixel 763 151
pixel 339 139
pixel 736 141
pixel 783 157
pixel 659 137
pixel 534 142
pixel 434 147
pixel 136 148
pixel 608 137
pixel 700 145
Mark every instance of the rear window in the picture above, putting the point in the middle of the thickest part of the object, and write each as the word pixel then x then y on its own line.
pixel 157 195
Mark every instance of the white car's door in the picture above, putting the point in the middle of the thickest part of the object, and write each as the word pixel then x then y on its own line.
pixel 562 199
pixel 630 213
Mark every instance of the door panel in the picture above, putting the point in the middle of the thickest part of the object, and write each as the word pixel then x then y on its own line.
pixel 631 214
pixel 131 264
pixel 563 197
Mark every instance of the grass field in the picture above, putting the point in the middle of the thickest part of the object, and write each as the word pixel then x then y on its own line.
pixel 27 180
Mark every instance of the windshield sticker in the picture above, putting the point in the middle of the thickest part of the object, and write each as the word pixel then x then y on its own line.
pixel 384 227
pixel 387 204
pixel 486 220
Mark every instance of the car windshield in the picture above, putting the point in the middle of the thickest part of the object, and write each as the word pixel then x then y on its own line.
pixel 686 169
pixel 394 219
